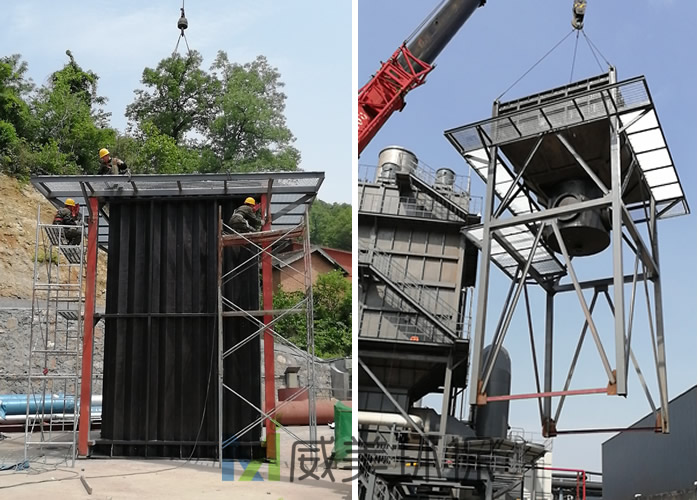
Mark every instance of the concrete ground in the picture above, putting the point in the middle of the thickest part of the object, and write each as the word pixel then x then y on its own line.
pixel 113 478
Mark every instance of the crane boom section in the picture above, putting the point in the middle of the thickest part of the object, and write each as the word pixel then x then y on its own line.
pixel 408 67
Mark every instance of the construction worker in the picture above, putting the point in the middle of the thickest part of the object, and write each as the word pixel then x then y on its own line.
pixel 69 215
pixel 245 218
pixel 109 165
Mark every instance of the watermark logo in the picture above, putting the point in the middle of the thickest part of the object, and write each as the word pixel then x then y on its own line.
pixel 251 470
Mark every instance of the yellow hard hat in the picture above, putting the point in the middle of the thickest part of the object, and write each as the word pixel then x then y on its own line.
pixel 70 202
pixel 250 201
pixel 103 152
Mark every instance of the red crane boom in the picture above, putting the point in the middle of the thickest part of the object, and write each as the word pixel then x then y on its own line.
pixel 408 67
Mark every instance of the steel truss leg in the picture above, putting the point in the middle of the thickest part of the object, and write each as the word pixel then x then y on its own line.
pixel 501 335
pixel 269 341
pixel 484 269
pixel 220 336
pixel 574 360
pixel 618 274
pixel 310 345
pixel 88 330
pixel 548 359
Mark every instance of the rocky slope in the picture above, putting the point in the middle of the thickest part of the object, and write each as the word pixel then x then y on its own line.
pixel 19 205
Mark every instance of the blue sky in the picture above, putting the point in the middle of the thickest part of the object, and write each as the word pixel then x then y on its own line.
pixel 654 38
pixel 309 42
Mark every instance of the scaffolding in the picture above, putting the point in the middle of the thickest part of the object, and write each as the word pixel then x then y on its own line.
pixel 261 245
pixel 55 345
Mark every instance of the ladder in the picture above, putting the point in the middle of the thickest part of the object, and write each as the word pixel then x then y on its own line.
pixel 55 346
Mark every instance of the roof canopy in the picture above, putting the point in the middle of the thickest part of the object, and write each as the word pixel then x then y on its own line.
pixel 289 192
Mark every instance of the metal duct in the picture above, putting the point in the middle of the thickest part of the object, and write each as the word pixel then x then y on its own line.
pixel 492 419
pixel 585 232
pixel 386 419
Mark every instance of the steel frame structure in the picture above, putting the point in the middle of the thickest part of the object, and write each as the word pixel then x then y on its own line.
pixel 262 243
pixel 515 217
pixel 287 197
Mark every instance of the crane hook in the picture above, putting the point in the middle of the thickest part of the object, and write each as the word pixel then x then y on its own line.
pixel 579 12
pixel 182 22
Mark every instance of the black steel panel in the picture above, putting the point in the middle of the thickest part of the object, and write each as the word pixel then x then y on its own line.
pixel 160 373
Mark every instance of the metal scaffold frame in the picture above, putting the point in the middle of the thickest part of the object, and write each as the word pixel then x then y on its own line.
pixel 261 246
pixel 55 345
pixel 638 191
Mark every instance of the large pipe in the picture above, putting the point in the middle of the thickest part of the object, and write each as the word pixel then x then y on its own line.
pixel 16 404
pixel 95 414
pixel 386 419
pixel 297 412
pixel 492 419
pixel 439 29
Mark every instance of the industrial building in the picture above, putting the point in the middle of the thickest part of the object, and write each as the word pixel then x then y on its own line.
pixel 652 465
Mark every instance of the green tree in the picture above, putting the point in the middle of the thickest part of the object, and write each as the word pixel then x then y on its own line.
pixel 15 89
pixel 16 120
pixel 332 316
pixel 331 224
pixel 248 131
pixel 178 97
pixel 70 121
pixel 158 153
pixel 236 111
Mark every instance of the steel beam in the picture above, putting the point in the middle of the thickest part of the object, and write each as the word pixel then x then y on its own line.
pixel 551 213
pixel 548 359
pixel 269 341
pixel 310 345
pixel 646 256
pixel 574 360
pixel 515 187
pixel 603 188
pixel 617 257
pixel 220 333
pixel 484 269
pixel 660 340
pixel 599 284
pixel 582 302
pixel 88 330
pixel 551 394
pixel 509 315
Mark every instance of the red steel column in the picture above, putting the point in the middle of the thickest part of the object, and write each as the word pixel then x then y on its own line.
pixel 88 327
pixel 269 341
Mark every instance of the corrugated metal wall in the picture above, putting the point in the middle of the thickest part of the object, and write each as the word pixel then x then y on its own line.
pixel 160 373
